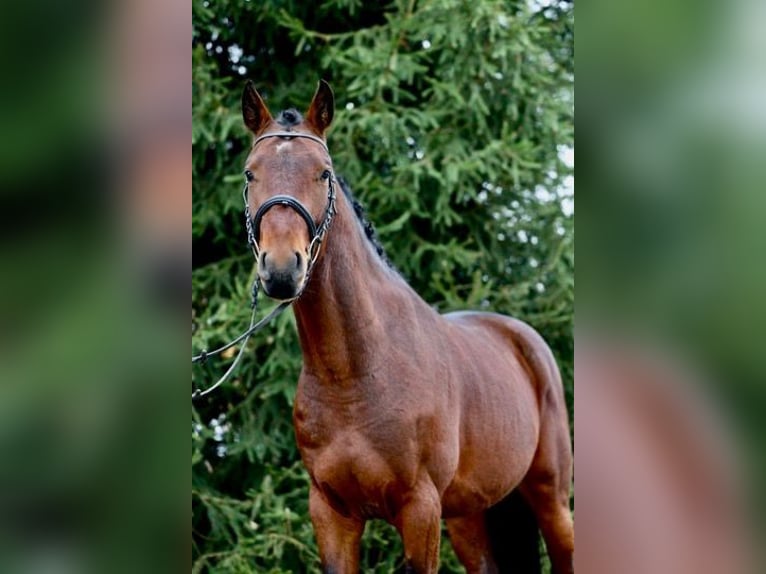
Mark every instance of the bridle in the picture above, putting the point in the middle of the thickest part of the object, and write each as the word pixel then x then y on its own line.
pixel 317 235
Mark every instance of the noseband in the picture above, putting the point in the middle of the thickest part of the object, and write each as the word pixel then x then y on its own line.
pixel 316 233
pixel 253 226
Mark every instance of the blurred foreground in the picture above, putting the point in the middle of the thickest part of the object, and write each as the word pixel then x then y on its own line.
pixel 669 360
pixel 94 259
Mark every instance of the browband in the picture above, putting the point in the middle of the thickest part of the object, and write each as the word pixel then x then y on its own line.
pixel 290 135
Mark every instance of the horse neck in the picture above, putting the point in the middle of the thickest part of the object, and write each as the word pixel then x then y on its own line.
pixel 339 320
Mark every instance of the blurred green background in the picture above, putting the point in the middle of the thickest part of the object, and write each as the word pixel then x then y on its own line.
pixel 92 348
pixel 671 146
pixel 454 127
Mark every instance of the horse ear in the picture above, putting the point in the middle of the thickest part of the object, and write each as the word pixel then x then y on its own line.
pixel 254 111
pixel 322 108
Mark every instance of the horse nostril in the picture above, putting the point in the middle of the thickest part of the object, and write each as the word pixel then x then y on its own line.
pixel 262 260
pixel 298 259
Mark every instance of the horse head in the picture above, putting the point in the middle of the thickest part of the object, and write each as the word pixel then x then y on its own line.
pixel 290 189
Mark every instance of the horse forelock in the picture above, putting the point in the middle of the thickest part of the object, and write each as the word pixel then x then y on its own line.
pixel 289 118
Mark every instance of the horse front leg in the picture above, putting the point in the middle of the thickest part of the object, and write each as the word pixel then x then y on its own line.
pixel 337 536
pixel 419 524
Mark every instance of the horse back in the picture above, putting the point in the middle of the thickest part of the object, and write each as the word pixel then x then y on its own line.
pixel 520 342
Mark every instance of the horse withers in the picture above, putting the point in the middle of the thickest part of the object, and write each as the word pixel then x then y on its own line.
pixel 402 414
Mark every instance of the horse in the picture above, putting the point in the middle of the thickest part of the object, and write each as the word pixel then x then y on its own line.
pixel 401 413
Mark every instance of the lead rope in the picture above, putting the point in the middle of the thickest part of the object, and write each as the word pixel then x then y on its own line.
pixel 243 338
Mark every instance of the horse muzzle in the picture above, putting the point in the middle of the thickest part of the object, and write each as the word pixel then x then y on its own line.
pixel 282 277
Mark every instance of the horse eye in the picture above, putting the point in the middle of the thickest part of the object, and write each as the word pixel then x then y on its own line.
pixel 326 174
pixel 249 176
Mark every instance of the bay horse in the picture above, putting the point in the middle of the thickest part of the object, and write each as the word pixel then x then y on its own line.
pixel 400 413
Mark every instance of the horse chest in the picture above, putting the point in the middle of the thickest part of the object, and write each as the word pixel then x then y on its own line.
pixel 362 459
pixel 342 441
pixel 324 416
pixel 359 480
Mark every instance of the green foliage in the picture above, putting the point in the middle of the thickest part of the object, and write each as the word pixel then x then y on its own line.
pixel 452 121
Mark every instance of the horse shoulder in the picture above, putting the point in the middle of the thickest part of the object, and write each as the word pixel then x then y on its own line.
pixel 361 415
